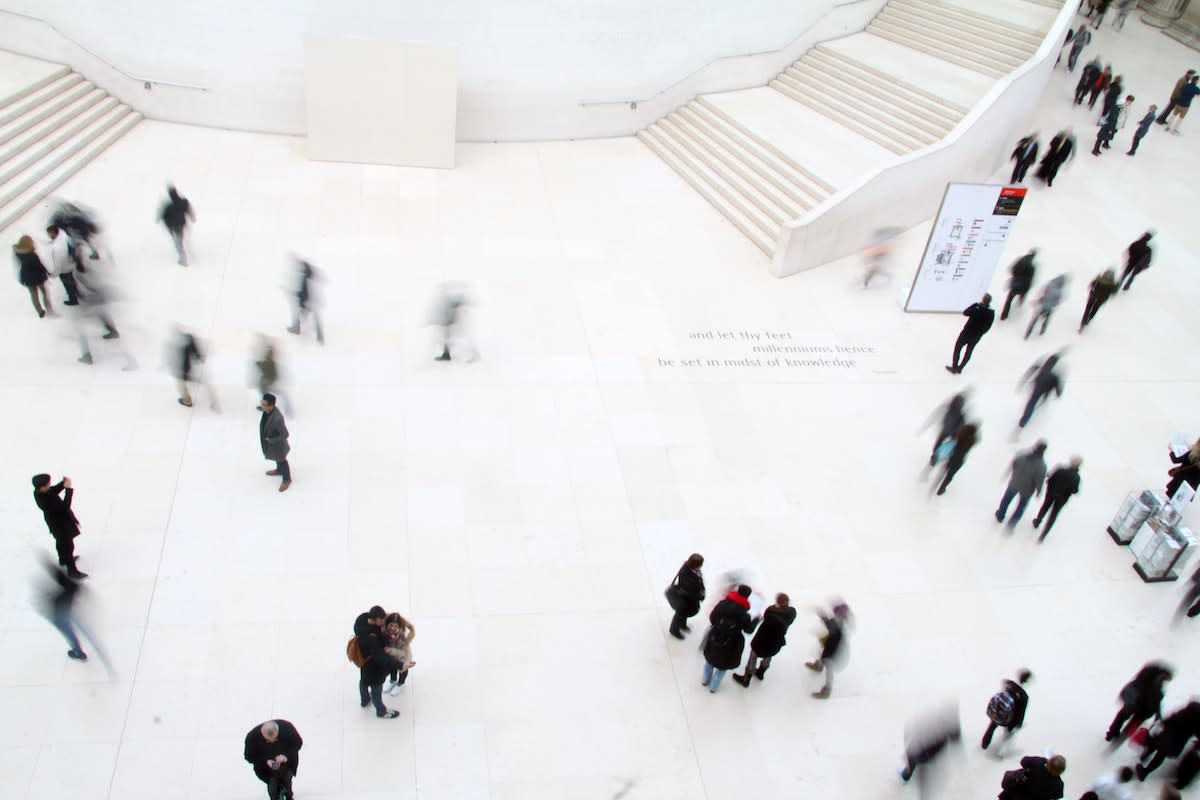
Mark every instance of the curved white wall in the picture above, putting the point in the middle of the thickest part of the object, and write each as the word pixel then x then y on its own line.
pixel 529 69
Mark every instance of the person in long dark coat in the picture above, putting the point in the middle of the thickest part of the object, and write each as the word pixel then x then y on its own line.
pixel 1178 728
pixel 1020 282
pixel 175 215
pixel 1137 259
pixel 685 594
pixel 32 274
pixel 726 639
pixel 273 749
pixel 1058 153
pixel 60 519
pixel 1090 71
pixel 832 646
pixel 1141 699
pixel 1024 155
pixel 1102 287
pixel 769 640
pixel 273 436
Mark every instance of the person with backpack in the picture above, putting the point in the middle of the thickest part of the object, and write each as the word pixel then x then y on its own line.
pixel 176 213
pixel 1006 708
pixel 368 651
pixel 725 640
pixel 769 640
pixel 832 646
pixel 685 594
pixel 1037 779
pixel 1141 699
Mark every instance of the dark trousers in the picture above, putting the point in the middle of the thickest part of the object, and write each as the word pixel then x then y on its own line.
pixel 1126 718
pixel 1092 99
pixel 1022 501
pixel 1127 277
pixel 65 545
pixel 1020 169
pixel 278 781
pixel 679 621
pixel 61 619
pixel 964 345
pixel 1162 118
pixel 953 465
pixel 1049 171
pixel 1073 57
pixel 1137 139
pixel 372 693
pixel 1190 602
pixel 68 282
pixel 285 472
pixel 991 729
pixel 1013 294
pixel 1048 512
pixel 298 314
pixel 1034 399
pixel 1089 310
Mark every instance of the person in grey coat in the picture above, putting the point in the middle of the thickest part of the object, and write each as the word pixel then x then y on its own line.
pixel 1043 379
pixel 1050 299
pixel 273 436
pixel 1026 474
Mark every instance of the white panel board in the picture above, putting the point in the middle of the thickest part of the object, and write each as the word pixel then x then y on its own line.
pixel 377 101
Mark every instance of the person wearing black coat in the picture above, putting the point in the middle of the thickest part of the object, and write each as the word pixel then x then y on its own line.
pixel 1141 699
pixel 371 675
pixel 1023 270
pixel 32 274
pixel 306 300
pixel 980 317
pixel 1187 471
pixel 273 436
pixel 60 519
pixel 1024 155
pixel 1190 603
pixel 725 640
pixel 954 416
pixel 1057 153
pixel 175 214
pixel 770 639
pixel 1102 287
pixel 1062 483
pixel 1177 730
pixel 685 594
pixel 273 749
pixel 964 440
pixel 1038 779
pixel 1014 717
pixel 1137 259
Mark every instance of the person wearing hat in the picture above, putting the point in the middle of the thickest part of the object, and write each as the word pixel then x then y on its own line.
pixel 60 519
pixel 32 274
pixel 273 436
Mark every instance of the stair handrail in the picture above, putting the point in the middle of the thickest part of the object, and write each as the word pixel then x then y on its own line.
pixel 147 82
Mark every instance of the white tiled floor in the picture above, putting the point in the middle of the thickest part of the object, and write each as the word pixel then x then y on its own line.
pixel 527 510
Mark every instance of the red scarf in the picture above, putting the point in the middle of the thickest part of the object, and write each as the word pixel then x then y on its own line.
pixel 737 598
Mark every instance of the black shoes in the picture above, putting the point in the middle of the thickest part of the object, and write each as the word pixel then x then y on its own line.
pixel 678 635
pixel 388 714
pixel 953 370
pixel 112 334
pixel 744 680
pixel 78 655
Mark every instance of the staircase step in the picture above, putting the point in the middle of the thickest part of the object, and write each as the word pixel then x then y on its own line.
pixel 834 112
pixel 778 204
pixel 824 187
pixel 32 87
pixel 708 186
pixel 869 103
pixel 830 96
pixel 976 21
pixel 37 132
pixel 918 31
pixel 964 33
pixel 11 211
pixel 946 109
pixel 32 116
pixel 56 139
pixel 32 100
pixel 902 37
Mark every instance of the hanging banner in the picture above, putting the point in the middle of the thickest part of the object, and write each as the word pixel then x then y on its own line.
pixel 965 246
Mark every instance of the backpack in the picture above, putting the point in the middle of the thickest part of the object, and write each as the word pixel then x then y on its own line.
pixel 355 654
pixel 1002 708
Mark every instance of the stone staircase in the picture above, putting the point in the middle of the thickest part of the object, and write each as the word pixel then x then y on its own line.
pixel 759 187
pixel 49 129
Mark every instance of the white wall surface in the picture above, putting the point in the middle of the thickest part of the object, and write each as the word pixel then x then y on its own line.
pixel 528 69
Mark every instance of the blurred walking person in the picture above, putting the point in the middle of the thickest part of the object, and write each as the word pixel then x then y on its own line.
pixel 32 274
pixel 273 437
pixel 1080 40
pixel 1100 84
pixel 62 263
pixel 1060 151
pixel 60 519
pixel 1123 9
pixel 59 603
pixel 1026 474
pixel 1102 287
pixel 1169 740
pixel 307 302
pixel 878 253
pixel 448 316
pixel 187 355
pixel 1038 779
pixel 1140 700
pixel 925 741
pixel 832 646
pixel 1062 483
pixel 268 375
pixel 1170 106
pixel 685 594
pixel 95 303
pixel 964 440
pixel 1024 155
pixel 1006 709
pixel 954 415
pixel 1048 301
pixel 723 644
pixel 980 317
pixel 1043 379
pixel 1020 281
pixel 1137 259
pixel 175 215
pixel 1087 76
pixel 769 640
pixel 1190 602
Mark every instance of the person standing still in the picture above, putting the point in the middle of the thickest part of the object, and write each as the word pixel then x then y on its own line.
pixel 273 436
pixel 1102 287
pixel 1062 483
pixel 832 646
pixel 1042 380
pixel 1182 103
pixel 1024 155
pixel 1143 127
pixel 175 215
pixel 60 519
pixel 63 263
pixel 725 640
pixel 368 629
pixel 1020 282
pixel 980 317
pixel 273 749
pixel 1006 709
pixel 685 594
pixel 1137 259
pixel 1026 474
pixel 769 640
pixel 1170 106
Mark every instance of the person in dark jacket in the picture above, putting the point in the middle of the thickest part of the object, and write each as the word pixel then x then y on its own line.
pixel 769 640
pixel 1006 709
pixel 1143 127
pixel 1111 120
pixel 1183 102
pixel 273 436
pixel 1062 483
pixel 187 353
pixel 32 274
pixel 964 440
pixel 954 416
pixel 1178 728
pixel 368 629
pixel 1086 78
pixel 175 215
pixel 306 299
pixel 60 519
pixel 273 749
pixel 1043 379
pixel 1102 287
pixel 1137 259
pixel 1022 270
pixel 1026 474
pixel 980 317
pixel 1112 95
pixel 685 594
pixel 1099 85
pixel 832 646
pixel 925 740
pixel 1141 699
pixel 1179 84
pixel 1038 779
pixel 1058 153
pixel 1024 155
pixel 726 639
pixel 1187 471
